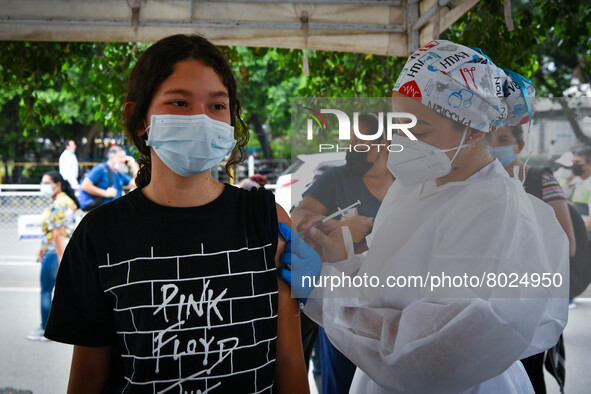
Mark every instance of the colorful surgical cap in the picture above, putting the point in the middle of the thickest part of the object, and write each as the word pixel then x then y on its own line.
pixel 464 85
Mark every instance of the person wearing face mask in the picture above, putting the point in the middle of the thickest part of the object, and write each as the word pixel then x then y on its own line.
pixel 582 195
pixel 363 178
pixel 105 181
pixel 506 145
pixel 565 176
pixel 58 223
pixel 581 168
pixel 173 287
pixel 452 210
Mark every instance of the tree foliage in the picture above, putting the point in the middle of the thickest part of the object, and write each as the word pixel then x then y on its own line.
pixel 551 43
pixel 270 78
pixel 58 91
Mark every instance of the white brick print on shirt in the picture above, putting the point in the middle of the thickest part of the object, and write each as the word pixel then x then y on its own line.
pixel 205 316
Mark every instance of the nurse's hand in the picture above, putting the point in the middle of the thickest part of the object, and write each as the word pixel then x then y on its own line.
pixel 331 247
pixel 359 226
pixel 301 262
pixel 307 222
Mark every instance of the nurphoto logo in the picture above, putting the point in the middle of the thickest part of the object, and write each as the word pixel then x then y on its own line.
pixel 395 121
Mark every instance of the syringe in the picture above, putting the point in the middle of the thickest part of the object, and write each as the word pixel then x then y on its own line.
pixel 333 215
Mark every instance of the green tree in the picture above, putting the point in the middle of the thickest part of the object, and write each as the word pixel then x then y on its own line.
pixel 551 45
pixel 265 89
pixel 56 91
pixel 270 78
pixel 551 42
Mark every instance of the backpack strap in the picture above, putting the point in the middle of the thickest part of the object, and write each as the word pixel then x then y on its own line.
pixel 110 172
pixel 533 180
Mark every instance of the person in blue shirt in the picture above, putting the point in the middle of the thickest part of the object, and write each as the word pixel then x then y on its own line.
pixel 105 181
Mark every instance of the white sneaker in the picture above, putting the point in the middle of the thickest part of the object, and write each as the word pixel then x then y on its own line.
pixel 37 335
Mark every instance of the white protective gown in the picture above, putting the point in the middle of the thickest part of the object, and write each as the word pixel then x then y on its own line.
pixel 449 345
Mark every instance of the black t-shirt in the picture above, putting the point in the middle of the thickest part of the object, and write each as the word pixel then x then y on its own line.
pixel 339 188
pixel 187 297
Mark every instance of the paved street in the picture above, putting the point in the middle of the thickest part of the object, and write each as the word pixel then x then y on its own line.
pixel 577 338
pixel 42 367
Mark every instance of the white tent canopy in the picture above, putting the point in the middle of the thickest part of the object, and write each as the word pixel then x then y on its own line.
pixel 382 27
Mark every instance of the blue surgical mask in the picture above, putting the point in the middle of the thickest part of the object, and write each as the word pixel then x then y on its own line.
pixel 505 153
pixel 190 145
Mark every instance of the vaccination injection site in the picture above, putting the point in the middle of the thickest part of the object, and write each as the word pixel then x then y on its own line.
pixel 298 196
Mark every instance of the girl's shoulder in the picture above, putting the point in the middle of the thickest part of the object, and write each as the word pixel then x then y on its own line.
pixel 252 194
pixel 258 205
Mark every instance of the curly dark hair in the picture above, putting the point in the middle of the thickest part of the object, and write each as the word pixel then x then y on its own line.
pixel 153 67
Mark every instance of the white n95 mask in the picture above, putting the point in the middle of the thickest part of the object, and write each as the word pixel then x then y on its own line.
pixel 419 162
pixel 190 145
pixel 47 190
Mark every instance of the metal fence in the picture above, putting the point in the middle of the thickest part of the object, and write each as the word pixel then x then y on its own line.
pixel 19 202
pixel 21 207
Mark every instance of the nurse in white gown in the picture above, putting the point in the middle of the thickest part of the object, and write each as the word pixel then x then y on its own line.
pixel 453 209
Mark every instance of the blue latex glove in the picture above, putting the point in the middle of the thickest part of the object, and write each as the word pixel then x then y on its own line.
pixel 301 260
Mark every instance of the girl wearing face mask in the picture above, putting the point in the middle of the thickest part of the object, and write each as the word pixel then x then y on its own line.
pixel 57 226
pixel 173 287
pixel 454 211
